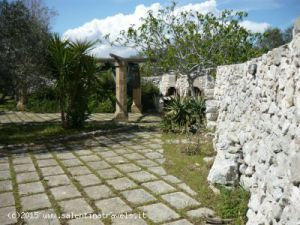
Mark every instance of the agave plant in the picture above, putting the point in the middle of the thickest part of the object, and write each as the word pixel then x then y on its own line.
pixel 184 113
pixel 73 70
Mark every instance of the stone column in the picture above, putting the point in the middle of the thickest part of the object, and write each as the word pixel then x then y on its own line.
pixel 121 113
pixel 136 106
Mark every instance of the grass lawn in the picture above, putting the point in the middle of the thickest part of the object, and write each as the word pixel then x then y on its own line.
pixel 31 132
pixel 193 170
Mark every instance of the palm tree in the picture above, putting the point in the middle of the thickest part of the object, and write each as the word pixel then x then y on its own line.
pixel 73 70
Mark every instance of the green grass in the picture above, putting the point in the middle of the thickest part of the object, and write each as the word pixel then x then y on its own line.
pixel 19 133
pixel 193 170
pixel 8 105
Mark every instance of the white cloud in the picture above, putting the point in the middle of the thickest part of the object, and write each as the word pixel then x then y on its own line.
pixel 254 26
pixel 98 28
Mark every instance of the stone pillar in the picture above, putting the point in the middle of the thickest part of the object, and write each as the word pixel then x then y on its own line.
pixel 121 113
pixel 137 95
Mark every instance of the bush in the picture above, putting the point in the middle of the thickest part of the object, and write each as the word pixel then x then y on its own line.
pixel 183 114
pixel 43 101
pixel 74 72
pixel 149 91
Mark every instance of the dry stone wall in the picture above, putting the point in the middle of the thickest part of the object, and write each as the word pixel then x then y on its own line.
pixel 257 135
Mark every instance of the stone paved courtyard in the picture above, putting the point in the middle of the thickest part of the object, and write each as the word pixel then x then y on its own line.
pixel 12 117
pixel 112 174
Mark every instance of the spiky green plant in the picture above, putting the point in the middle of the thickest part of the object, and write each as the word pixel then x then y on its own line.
pixel 73 70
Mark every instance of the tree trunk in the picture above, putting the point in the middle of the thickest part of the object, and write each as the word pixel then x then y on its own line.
pixel 22 99
pixel 191 86
pixel 2 99
pixel 62 112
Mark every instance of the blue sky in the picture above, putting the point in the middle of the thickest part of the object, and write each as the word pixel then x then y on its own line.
pixel 93 19
pixel 74 13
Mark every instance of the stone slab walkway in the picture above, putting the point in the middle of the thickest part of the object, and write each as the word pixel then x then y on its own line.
pixel 110 179
pixel 12 117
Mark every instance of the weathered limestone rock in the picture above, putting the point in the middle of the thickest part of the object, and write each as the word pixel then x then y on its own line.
pixel 257 136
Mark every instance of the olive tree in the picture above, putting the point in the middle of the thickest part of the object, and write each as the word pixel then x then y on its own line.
pixel 24 36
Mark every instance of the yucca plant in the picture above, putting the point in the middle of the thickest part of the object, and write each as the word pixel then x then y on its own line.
pixel 73 70
pixel 184 114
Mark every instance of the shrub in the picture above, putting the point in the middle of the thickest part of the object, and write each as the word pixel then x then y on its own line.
pixel 149 92
pixel 74 72
pixel 183 114
pixel 43 101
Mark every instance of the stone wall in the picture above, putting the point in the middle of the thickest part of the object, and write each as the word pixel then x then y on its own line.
pixel 205 84
pixel 257 135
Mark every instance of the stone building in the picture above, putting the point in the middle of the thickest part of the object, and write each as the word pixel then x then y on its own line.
pixel 171 84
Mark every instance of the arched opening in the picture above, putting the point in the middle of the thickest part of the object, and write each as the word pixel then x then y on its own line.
pixel 198 92
pixel 171 91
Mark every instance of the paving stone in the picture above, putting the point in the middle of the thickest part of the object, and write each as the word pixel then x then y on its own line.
pixel 44 217
pixel 90 158
pixel 159 187
pixel 84 152
pixel 159 213
pixel 47 162
pixel 99 165
pixel 108 154
pixel 75 206
pixel 22 160
pixel 79 170
pixel 154 146
pixel 122 151
pixel 71 162
pixel 4 166
pixel 21 168
pixel 132 219
pixel 5 185
pixel 5 215
pixel 34 202
pixel 7 199
pixel 57 180
pixel 43 155
pixel 127 168
pixel 87 180
pixel 99 192
pixel 53 170
pixel 85 221
pixel 142 176
pixel 133 156
pixel 64 192
pixel 180 200
pixel 27 177
pixel 113 206
pixel 31 188
pixel 65 155
pixel 154 155
pixel 146 163
pixel 158 170
pixel 160 161
pixel 121 184
pixel 179 222
pixel 172 179
pixel 4 175
pixel 109 173
pixel 187 189
pixel 117 160
pixel 201 213
pixel 138 196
